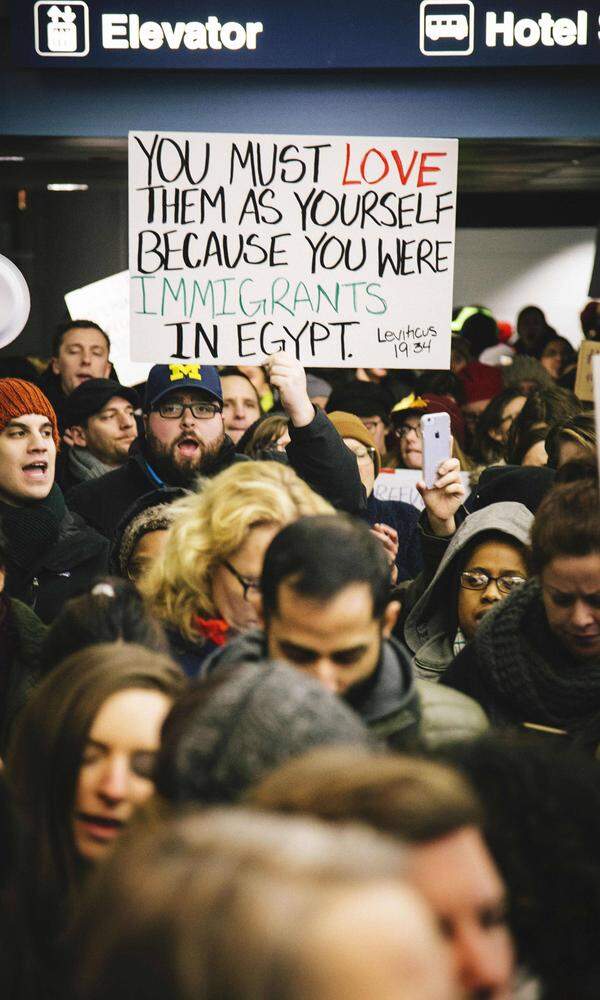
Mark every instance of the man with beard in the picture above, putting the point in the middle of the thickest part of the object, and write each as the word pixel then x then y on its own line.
pixel 328 611
pixel 184 436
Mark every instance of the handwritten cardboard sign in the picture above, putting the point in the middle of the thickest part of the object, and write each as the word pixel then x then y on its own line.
pixel 401 484
pixel 338 250
pixel 106 302
pixel 584 380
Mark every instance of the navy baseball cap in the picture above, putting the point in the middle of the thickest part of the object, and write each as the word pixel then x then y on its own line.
pixel 163 379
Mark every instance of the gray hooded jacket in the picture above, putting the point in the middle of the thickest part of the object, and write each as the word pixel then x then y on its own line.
pixel 396 709
pixel 431 626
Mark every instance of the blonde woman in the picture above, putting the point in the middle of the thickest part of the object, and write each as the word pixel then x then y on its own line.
pixel 205 587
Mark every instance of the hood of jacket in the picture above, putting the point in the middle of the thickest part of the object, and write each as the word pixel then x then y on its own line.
pixel 391 698
pixel 432 623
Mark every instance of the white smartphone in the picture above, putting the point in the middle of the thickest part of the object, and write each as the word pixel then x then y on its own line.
pixel 435 435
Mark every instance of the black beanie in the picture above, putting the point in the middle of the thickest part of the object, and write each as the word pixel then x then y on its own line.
pixel 522 483
pixel 364 399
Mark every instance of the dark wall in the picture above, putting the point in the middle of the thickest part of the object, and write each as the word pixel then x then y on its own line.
pixel 61 241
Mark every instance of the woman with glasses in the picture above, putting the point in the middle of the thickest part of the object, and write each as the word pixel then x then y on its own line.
pixel 482 565
pixel 406 422
pixel 535 661
pixel 394 522
pixel 205 587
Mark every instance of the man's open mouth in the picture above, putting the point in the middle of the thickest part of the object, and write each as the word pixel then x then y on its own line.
pixel 188 446
pixel 36 470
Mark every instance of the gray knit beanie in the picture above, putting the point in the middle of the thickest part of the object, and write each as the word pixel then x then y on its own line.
pixel 229 731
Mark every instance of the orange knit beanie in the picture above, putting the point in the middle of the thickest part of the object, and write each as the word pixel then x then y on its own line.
pixel 18 398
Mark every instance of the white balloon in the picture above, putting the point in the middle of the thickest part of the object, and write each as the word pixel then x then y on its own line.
pixel 15 302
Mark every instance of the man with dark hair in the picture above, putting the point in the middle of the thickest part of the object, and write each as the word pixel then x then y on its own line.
pixel 100 416
pixel 63 329
pixel 184 436
pixel 80 351
pixel 51 554
pixel 327 611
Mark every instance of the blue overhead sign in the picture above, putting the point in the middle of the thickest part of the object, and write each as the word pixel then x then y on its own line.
pixel 340 34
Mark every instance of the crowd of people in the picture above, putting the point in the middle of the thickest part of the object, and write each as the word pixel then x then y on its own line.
pixel 268 735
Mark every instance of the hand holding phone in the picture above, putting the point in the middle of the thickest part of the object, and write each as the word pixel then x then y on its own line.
pixel 435 434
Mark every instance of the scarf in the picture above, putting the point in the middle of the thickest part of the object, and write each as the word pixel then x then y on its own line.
pixel 86 466
pixel 526 667
pixel 32 528
pixel 216 630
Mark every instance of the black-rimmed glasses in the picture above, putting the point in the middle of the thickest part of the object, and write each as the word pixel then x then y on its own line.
pixel 404 430
pixel 173 409
pixel 247 583
pixel 479 580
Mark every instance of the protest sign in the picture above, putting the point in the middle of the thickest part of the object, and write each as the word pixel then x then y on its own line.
pixel 106 302
pixel 401 484
pixel 338 250
pixel 584 383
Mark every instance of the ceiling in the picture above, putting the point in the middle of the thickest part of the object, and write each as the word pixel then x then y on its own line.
pixel 522 165
pixel 485 165
pixel 501 183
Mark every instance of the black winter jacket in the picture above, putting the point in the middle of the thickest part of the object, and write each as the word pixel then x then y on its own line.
pixel 66 570
pixel 25 633
pixel 317 453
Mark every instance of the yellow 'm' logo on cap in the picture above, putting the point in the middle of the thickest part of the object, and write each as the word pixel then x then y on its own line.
pixel 185 371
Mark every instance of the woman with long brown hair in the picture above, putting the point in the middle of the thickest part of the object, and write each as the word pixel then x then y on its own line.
pixel 80 763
